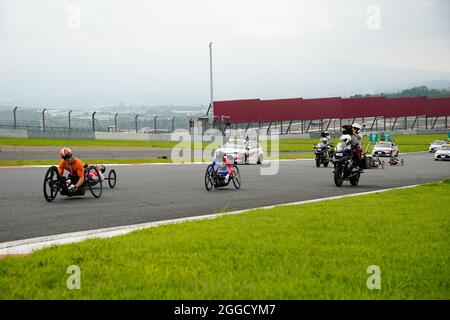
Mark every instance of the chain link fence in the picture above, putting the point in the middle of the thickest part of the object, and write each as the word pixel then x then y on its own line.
pixel 91 121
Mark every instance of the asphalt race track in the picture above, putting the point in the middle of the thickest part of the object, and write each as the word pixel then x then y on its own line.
pixel 148 193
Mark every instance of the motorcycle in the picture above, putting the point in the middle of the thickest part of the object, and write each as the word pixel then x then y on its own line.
pixel 323 153
pixel 344 166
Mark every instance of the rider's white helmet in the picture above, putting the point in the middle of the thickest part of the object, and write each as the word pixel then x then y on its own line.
pixel 357 126
pixel 346 138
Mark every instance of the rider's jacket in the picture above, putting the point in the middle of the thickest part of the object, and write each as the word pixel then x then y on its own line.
pixel 223 166
pixel 76 168
pixel 356 139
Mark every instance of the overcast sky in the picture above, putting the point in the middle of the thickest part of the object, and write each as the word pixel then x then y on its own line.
pixel 57 53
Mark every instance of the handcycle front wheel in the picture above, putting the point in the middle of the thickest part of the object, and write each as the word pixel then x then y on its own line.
pixel 96 187
pixel 50 186
pixel 112 178
pixel 209 177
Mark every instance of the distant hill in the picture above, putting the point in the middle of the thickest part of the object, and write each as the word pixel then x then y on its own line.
pixel 413 92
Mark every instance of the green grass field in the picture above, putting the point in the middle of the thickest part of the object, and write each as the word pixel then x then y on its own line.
pixel 50 162
pixel 86 143
pixel 313 251
pixel 407 143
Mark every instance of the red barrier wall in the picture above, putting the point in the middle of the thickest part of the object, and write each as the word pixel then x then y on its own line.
pixel 255 110
pixel 239 110
pixel 437 107
pixel 363 107
pixel 322 108
pixel 402 107
pixel 281 109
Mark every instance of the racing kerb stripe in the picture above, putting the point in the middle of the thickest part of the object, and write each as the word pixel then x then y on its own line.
pixel 29 245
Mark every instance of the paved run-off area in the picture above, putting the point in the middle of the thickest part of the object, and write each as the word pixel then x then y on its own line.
pixel 147 193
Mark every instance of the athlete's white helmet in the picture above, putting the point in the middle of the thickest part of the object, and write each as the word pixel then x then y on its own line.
pixel 346 138
pixel 220 155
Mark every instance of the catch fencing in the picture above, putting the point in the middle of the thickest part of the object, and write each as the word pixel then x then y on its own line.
pixel 88 121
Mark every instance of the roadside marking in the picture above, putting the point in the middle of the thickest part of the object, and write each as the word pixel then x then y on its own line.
pixel 28 246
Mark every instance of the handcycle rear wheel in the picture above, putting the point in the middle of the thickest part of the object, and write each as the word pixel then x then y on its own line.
pixel 96 187
pixel 209 177
pixel 50 182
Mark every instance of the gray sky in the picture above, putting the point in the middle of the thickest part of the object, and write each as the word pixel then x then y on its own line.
pixel 86 53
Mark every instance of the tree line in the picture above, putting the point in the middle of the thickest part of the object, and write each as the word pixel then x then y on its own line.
pixel 413 92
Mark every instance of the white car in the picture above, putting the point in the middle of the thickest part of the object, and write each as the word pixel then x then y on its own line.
pixel 443 153
pixel 436 145
pixel 244 152
pixel 385 149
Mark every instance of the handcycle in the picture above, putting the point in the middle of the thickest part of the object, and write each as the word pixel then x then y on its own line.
pixel 54 184
pixel 111 177
pixel 214 178
pixel 396 161
pixel 375 162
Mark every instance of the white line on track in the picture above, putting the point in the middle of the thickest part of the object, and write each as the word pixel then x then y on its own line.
pixel 29 245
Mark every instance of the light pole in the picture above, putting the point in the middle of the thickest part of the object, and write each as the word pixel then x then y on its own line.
pixel 211 81
pixel 70 123
pixel 43 119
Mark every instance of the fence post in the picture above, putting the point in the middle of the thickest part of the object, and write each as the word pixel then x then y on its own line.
pixel 70 123
pixel 154 121
pixel 93 121
pixel 136 122
pixel 173 124
pixel 15 119
pixel 115 122
pixel 43 119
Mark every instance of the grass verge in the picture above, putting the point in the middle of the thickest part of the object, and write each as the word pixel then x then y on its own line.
pixel 313 251
pixel 407 143
pixel 13 163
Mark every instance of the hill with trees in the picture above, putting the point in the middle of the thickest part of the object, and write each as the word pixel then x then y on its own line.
pixel 413 92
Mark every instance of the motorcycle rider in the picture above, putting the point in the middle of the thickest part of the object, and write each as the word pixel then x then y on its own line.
pixel 357 143
pixel 354 131
pixel 325 137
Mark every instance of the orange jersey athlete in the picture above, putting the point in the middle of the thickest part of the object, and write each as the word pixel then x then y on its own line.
pixel 74 166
